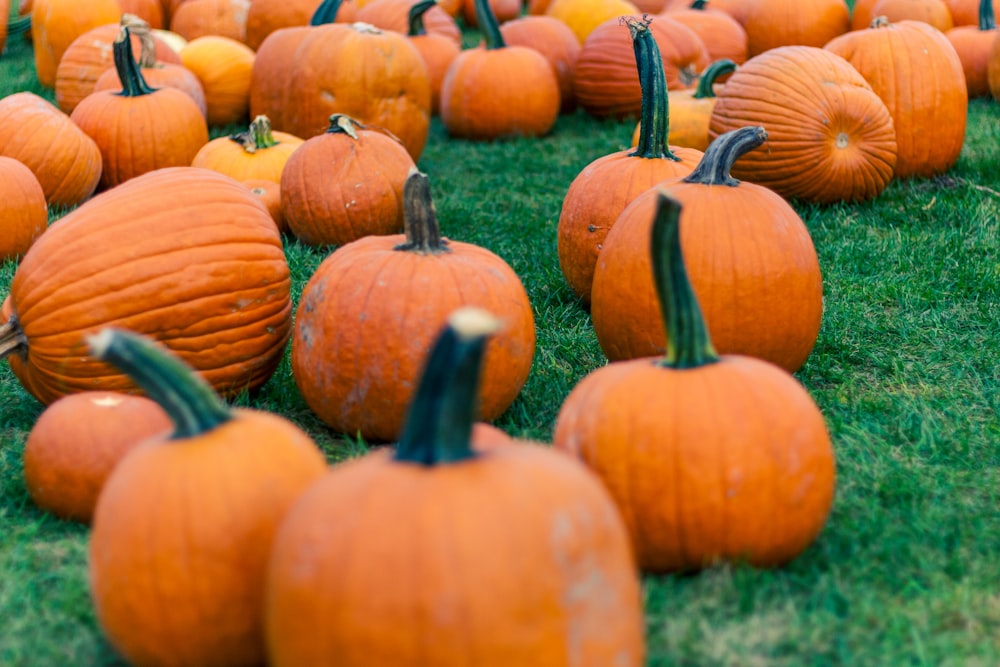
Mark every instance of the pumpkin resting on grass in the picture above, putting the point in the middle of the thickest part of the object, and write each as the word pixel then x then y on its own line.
pixel 23 213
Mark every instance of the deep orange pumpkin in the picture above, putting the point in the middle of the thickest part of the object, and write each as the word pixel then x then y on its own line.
pixel 932 12
pixel 722 35
pixel 269 194
pixel 554 40
pixel 436 50
pixel 966 12
pixel 973 45
pixel 258 153
pixel 395 15
pixel 774 23
pixel 222 18
pixel 23 212
pixel 56 23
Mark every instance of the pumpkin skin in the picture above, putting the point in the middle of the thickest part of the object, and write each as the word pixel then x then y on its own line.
pixel 973 45
pixel 56 23
pixel 161 75
pixel 444 503
pixel 709 458
pixel 176 286
pixel 583 16
pixel 774 23
pixel 554 40
pixel 932 12
pixel 23 212
pixel 888 54
pixel 780 276
pixel 150 11
pixel 258 153
pixel 831 137
pixel 184 524
pixel 267 16
pixel 222 18
pixel 993 70
pixel 966 12
pixel 436 50
pixel 723 36
pixel 269 194
pixel 76 443
pixel 394 15
pixel 402 288
pixel 31 127
pixel 345 184
pixel 223 66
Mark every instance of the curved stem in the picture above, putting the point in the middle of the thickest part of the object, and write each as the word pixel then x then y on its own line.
pixel 717 162
pixel 325 13
pixel 438 425
pixel 257 137
pixel 698 4
pixel 416 17
pixel 488 25
pixel 185 396
pixel 341 123
pixel 18 25
pixel 688 343
pixel 133 84
pixel 708 77
pixel 12 338
pixel 987 19
pixel 147 45
pixel 423 234
pixel 654 123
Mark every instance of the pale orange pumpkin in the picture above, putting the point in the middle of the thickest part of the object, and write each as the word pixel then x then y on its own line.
pixel 223 66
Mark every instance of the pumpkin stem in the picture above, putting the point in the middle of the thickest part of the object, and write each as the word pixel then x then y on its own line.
pixel 133 84
pixel 488 25
pixel 140 29
pixel 185 396
pixel 688 342
pixel 416 17
pixel 438 426
pixel 879 22
pixel 423 233
pixel 12 338
pixel 721 154
pixel 654 123
pixel 325 13
pixel 698 4
pixel 987 19
pixel 345 124
pixel 712 72
pixel 18 25
pixel 257 137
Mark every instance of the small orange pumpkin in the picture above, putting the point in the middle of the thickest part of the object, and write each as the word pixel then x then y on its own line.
pixel 258 153
pixel 223 66
pixel 23 212
pixel 554 40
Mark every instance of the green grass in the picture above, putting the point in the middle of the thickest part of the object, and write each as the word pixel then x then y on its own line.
pixel 906 371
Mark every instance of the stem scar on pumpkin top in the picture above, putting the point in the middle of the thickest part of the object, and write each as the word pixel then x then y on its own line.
pixel 654 121
pixel 423 234
pixel 438 426
pixel 257 137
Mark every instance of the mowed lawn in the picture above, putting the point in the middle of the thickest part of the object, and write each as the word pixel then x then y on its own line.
pixel 906 371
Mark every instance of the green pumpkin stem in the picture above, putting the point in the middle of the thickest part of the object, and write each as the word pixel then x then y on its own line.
pixel 133 84
pixel 654 123
pixel 688 343
pixel 708 77
pixel 12 338
pixel 185 396
pixel 699 4
pixel 257 137
pixel 717 162
pixel 987 19
pixel 416 17
pixel 325 13
pixel 423 233
pixel 488 25
pixel 340 123
pixel 438 427
pixel 19 25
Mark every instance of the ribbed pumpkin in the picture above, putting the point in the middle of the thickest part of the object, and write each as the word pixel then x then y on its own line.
pixel 184 255
pixel 258 153
pixel 606 83
pixel 918 75
pixel 23 213
pixel 973 45
pixel 267 16
pixel 222 18
pixel 184 525
pixel 774 23
pixel 140 129
pixel 399 290
pixel 508 555
pixel 345 184
pixel 224 67
pixel 831 137
pixel 436 50
pixel 499 90
pixel 31 128
pixel 709 458
pixel 934 13
pixel 607 185
pixel 56 23
pixel 775 272
pixel 723 36
pixel 76 443
pixel 394 15
pixel 554 40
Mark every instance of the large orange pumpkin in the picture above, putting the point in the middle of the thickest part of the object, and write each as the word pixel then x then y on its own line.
pixel 399 290
pixel 932 12
pixel 23 212
pixel 708 458
pixel 773 23
pixel 395 15
pixel 973 44
pixel 187 256
pixel 464 555
pixel 722 35
pixel 223 18
pixel 56 23
pixel 267 16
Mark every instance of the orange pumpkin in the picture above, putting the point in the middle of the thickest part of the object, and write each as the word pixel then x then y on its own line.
pixel 993 70
pixel 709 458
pixel 780 276
pixel 723 36
pixel 218 294
pixel 831 137
pixel 140 129
pixel 23 212
pixel 269 194
pixel 150 11
pixel 583 16
pixel 460 512
pixel 222 18
pixel 76 443
pixel 554 40
pixel 436 50
pixel 223 66
pixel 966 12
pixel 607 185
pixel 973 45
pixel 345 184
pixel 503 10
pixel 258 153
pixel 932 12
pixel 401 289
pixel 55 24
pixel 31 127
pixel 395 15
pixel 184 525
pixel 861 14
pixel 918 75
pixel 773 23
pixel 267 16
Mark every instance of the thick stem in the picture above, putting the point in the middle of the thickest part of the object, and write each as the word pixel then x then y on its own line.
pixel 438 425
pixel 12 338
pixel 133 84
pixel 339 123
pixel 654 123
pixel 325 13
pixel 416 17
pixel 879 22
pixel 712 72
pixel 698 4
pixel 688 343
pixel 147 45
pixel 488 25
pixel 423 234
pixel 185 396
pixel 257 137
pixel 18 25
pixel 987 19
pixel 721 154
